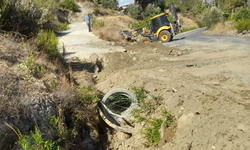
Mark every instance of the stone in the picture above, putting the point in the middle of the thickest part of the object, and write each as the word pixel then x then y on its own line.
pixel 245 32
pixel 179 54
pixel 122 136
pixel 93 57
pixel 162 129
pixel 155 50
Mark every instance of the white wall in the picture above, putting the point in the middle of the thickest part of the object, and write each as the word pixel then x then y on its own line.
pixel 125 2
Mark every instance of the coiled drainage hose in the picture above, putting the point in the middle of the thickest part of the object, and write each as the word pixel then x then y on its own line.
pixel 112 119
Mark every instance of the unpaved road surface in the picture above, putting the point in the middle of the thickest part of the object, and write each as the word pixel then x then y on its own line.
pixel 80 44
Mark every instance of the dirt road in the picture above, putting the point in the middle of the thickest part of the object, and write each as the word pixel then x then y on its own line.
pixel 79 43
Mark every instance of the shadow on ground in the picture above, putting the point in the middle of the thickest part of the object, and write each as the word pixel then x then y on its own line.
pixel 80 66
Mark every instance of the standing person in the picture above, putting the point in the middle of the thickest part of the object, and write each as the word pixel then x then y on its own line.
pixel 87 19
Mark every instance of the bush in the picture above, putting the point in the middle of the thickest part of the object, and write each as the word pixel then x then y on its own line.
pixel 112 4
pixel 200 24
pixel 51 5
pixel 47 41
pixel 140 24
pixel 243 24
pixel 243 14
pixel 62 26
pixel 70 5
pixel 152 133
pixel 151 10
pixel 35 141
pixel 212 17
pixel 96 11
pixel 134 11
pixel 19 18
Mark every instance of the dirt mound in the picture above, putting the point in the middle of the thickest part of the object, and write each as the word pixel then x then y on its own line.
pixel 202 86
pixel 111 25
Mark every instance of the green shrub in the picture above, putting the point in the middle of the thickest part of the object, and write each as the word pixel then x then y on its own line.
pixel 47 41
pixel 19 18
pixel 141 24
pixel 142 113
pixel 30 68
pixel 186 29
pixel 168 116
pixel 243 24
pixel 112 4
pixel 70 5
pixel 62 26
pixel 151 10
pixel 225 15
pixel 200 24
pixel 135 11
pixel 212 17
pixel 96 11
pixel 87 95
pixel 243 14
pixel 152 133
pixel 35 141
pixel 52 5
pixel 145 107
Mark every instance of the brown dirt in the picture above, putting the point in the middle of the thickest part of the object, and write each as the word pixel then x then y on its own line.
pixel 205 86
pixel 112 25
pixel 187 22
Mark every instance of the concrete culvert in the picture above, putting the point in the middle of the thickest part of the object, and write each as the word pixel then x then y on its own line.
pixel 116 107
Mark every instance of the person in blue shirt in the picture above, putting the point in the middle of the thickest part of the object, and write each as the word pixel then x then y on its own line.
pixel 87 19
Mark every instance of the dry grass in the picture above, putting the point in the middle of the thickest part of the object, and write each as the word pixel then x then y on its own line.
pixel 87 4
pixel 221 28
pixel 112 25
pixel 187 22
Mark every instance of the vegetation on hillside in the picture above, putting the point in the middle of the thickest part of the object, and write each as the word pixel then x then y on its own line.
pixel 37 87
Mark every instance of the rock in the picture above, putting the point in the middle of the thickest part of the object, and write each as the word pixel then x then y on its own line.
pixel 155 50
pixel 162 129
pixel 122 136
pixel 241 127
pixel 7 137
pixel 93 57
pixel 245 32
pixel 174 90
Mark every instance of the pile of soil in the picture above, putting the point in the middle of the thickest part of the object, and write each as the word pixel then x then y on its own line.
pixel 205 86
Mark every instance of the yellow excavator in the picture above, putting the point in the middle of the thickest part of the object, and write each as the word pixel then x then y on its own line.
pixel 160 28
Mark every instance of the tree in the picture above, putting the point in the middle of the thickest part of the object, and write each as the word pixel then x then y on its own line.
pixel 212 17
